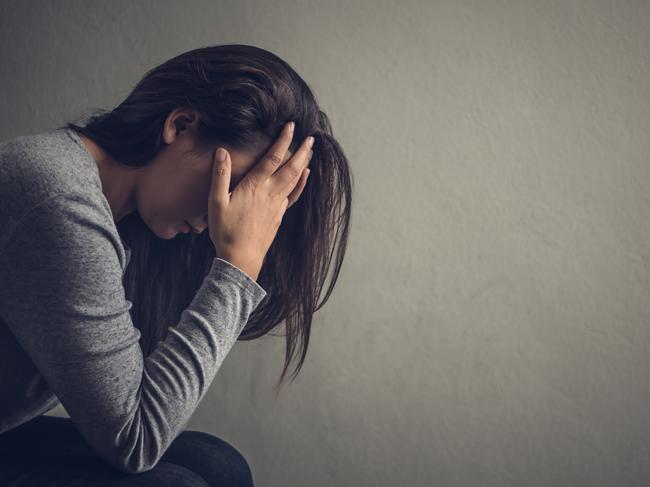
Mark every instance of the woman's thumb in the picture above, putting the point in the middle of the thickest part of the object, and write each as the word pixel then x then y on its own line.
pixel 221 174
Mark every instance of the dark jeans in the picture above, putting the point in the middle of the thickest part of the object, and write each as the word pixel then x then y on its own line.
pixel 49 451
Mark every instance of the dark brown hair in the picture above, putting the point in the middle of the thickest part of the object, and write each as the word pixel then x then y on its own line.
pixel 244 95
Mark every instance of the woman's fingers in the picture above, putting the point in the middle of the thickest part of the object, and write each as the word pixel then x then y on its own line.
pixel 220 176
pixel 295 194
pixel 284 178
pixel 272 166
pixel 273 158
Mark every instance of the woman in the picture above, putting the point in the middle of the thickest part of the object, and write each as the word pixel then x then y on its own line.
pixel 115 301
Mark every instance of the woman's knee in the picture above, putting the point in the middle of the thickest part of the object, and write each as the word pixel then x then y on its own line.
pixel 216 460
pixel 163 474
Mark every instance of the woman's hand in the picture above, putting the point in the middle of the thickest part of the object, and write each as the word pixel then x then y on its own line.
pixel 243 224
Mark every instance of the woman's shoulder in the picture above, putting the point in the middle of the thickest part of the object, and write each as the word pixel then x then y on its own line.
pixel 54 160
pixel 36 166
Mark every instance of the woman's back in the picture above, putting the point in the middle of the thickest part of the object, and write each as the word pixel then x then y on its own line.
pixel 33 168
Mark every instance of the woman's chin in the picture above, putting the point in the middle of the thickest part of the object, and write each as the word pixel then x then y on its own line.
pixel 167 234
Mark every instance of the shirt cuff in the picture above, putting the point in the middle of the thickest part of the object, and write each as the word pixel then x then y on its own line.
pixel 234 273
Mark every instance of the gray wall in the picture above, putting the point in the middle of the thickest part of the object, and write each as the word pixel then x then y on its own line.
pixel 490 325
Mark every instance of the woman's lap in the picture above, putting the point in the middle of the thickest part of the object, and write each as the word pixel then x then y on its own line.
pixel 49 450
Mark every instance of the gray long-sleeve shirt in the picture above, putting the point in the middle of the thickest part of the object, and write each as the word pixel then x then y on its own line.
pixel 65 329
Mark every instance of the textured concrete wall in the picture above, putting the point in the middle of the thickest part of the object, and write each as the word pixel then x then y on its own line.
pixel 491 323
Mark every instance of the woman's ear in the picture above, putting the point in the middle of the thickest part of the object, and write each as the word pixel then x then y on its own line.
pixel 178 121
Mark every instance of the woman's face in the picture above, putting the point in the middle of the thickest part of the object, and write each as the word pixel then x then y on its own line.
pixel 175 186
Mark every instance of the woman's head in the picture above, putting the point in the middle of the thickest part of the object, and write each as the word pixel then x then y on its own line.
pixel 238 97
pixel 170 193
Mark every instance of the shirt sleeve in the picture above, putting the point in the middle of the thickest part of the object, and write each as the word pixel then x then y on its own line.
pixel 62 296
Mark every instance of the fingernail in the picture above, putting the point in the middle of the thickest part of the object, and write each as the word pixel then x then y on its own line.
pixel 310 141
pixel 291 126
pixel 221 155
